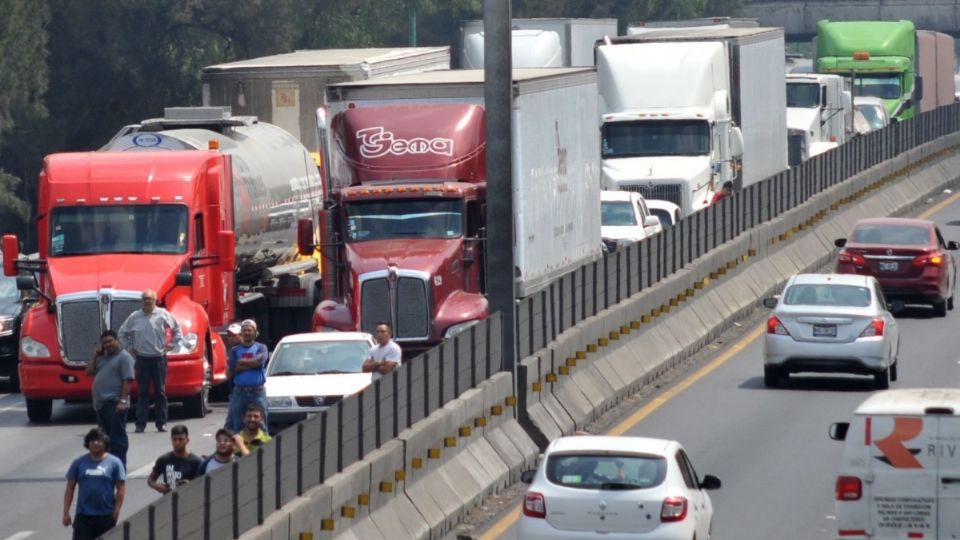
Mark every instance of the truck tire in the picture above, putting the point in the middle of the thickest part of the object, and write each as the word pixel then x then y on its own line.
pixel 198 405
pixel 39 410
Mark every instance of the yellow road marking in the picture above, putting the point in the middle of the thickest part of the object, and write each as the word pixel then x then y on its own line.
pixel 507 521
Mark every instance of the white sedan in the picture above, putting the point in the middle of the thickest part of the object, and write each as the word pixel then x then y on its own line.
pixel 616 488
pixel 309 372
pixel 831 323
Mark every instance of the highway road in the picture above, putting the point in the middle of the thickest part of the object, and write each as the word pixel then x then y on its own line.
pixel 770 446
pixel 34 459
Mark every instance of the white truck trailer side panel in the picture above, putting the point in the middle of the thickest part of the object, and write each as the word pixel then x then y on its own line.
pixel 577 37
pixel 762 107
pixel 556 161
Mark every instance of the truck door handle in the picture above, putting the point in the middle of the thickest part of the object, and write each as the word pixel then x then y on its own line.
pixel 947 480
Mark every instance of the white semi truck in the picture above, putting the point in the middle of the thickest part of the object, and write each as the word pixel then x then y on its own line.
pixel 819 113
pixel 540 42
pixel 683 111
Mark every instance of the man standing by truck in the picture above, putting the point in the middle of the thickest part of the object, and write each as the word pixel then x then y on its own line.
pixel 144 334
pixel 112 368
pixel 246 367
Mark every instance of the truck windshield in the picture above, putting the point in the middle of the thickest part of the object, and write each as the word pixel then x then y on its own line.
pixel 881 86
pixel 805 96
pixel 84 230
pixel 655 138
pixel 404 218
pixel 617 214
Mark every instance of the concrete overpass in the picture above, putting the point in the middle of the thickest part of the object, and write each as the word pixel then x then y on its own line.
pixel 799 17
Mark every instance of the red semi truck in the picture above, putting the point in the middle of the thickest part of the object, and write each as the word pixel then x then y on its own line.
pixel 179 205
pixel 403 226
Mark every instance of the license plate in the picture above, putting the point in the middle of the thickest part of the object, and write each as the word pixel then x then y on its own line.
pixel 888 266
pixel 824 330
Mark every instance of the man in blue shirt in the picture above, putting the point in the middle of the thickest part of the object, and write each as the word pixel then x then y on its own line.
pixel 247 367
pixel 102 481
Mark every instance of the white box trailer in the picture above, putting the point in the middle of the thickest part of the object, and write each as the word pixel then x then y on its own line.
pixel 532 39
pixel 286 89
pixel 556 158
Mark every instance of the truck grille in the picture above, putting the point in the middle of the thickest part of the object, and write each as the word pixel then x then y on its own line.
pixel 411 319
pixel 660 192
pixel 81 325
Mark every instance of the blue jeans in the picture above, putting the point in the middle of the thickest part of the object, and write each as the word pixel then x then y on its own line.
pixel 240 397
pixel 115 426
pixel 151 369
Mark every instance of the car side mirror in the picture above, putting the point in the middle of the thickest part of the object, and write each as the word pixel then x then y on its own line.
pixel 840 242
pixel 710 482
pixel 651 221
pixel 770 302
pixel 953 245
pixel 838 431
pixel 527 476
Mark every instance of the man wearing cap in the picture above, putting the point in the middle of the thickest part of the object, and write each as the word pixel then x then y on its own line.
pixel 233 336
pixel 144 334
pixel 247 368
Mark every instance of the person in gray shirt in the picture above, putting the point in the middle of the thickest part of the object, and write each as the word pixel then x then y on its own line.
pixel 144 334
pixel 112 369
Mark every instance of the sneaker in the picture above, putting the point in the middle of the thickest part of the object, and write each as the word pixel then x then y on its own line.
pixel 162 428
pixel 140 429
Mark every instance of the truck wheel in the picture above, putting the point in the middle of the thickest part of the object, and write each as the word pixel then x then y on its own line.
pixel 196 406
pixel 39 410
pixel 771 376
pixel 881 379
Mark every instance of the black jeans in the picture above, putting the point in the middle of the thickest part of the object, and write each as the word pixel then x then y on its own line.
pixel 151 369
pixel 86 527
pixel 115 425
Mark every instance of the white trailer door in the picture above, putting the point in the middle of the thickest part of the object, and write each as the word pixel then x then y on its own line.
pixel 948 449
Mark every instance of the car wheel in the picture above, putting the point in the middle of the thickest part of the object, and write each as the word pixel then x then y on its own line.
pixel 39 410
pixel 893 370
pixel 950 303
pixel 772 376
pixel 881 379
pixel 940 309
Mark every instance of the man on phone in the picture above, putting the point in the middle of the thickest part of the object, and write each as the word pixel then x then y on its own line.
pixel 177 467
pixel 112 369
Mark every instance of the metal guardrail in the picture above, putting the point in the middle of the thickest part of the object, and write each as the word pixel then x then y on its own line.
pixel 233 500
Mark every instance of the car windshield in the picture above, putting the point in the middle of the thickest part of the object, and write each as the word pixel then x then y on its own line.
pixel 617 214
pixel 873 114
pixel 8 287
pixel 810 294
pixel 655 138
pixel 803 95
pixel 881 86
pixel 606 471
pixel 318 357
pixel 666 218
pixel 404 218
pixel 82 230
pixel 891 234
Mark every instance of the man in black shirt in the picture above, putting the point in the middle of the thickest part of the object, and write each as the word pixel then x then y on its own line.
pixel 177 467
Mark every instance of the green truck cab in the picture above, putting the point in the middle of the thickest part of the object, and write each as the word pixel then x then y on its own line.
pixel 877 57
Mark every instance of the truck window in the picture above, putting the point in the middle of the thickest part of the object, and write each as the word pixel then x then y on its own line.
pixel 403 218
pixel 82 230
pixel 803 95
pixel 655 138
pixel 474 219
pixel 881 86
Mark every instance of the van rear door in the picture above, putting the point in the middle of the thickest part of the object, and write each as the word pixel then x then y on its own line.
pixel 902 485
pixel 948 450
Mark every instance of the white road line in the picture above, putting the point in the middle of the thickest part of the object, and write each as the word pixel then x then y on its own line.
pixel 142 472
pixel 10 408
pixel 20 535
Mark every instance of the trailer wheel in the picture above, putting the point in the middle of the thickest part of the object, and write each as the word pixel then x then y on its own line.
pixel 39 410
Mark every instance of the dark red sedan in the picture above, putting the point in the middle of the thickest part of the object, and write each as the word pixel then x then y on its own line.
pixel 909 257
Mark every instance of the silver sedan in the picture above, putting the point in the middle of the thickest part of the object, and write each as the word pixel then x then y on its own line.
pixel 830 323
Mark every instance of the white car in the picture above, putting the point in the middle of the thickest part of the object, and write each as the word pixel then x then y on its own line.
pixel 625 218
pixel 873 111
pixel 831 323
pixel 309 372
pixel 667 212
pixel 616 488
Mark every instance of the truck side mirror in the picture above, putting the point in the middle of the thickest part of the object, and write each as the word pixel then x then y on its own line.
pixel 228 251
pixel 736 142
pixel 11 252
pixel 305 245
pixel 26 283
pixel 838 431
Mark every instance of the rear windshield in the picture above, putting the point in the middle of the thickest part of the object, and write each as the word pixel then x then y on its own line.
pixel 604 471
pixel 827 295
pixel 891 234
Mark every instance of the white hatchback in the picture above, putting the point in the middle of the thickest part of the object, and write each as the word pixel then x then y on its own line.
pixel 616 488
pixel 309 372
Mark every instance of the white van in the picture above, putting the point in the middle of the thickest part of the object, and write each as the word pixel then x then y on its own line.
pixel 900 471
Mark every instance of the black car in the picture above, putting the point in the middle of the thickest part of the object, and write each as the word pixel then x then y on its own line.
pixel 11 310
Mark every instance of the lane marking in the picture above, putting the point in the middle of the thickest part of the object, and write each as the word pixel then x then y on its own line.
pixel 507 521
pixel 142 472
pixel 20 535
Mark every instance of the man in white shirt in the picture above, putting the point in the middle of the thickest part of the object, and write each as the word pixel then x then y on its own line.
pixel 385 355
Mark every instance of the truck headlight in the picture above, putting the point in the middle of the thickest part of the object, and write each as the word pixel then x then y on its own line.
pixel 457 328
pixel 280 402
pixel 188 344
pixel 6 325
pixel 33 348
